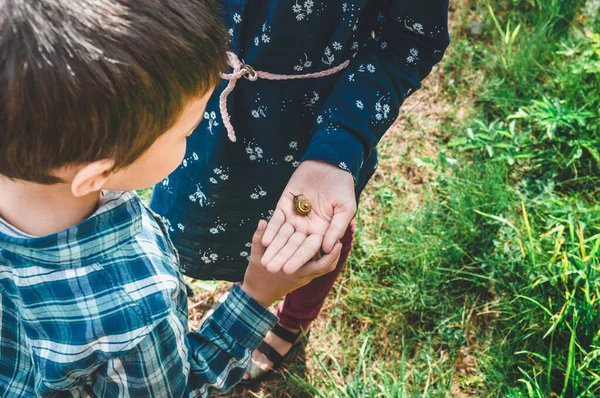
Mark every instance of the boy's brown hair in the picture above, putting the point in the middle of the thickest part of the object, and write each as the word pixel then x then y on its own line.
pixel 84 80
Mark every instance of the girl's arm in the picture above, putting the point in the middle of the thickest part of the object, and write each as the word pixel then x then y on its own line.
pixel 411 38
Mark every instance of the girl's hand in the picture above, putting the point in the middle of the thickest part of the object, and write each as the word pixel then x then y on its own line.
pixel 292 239
pixel 266 287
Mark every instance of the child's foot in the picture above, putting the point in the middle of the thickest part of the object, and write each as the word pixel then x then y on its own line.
pixel 262 362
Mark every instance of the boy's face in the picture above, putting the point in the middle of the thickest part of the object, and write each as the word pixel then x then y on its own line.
pixel 164 156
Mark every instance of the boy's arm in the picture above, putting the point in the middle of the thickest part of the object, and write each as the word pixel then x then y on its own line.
pixel 170 363
pixel 219 352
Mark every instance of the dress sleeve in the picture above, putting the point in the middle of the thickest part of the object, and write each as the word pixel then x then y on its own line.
pixel 411 37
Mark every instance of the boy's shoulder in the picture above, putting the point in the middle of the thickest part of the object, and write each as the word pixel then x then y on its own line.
pixel 122 250
pixel 91 292
pixel 121 221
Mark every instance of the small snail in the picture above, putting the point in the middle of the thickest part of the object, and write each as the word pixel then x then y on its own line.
pixel 301 206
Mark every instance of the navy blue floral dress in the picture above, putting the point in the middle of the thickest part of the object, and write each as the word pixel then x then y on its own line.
pixel 214 200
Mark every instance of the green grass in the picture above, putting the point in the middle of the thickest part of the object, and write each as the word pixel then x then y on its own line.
pixel 484 279
pixel 145 194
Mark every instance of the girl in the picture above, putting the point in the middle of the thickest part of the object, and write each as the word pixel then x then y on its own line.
pixel 313 87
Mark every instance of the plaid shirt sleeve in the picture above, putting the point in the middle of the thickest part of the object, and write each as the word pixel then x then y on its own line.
pixel 100 310
pixel 221 350
pixel 217 355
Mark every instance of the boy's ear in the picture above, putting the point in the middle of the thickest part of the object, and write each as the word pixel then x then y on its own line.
pixel 91 177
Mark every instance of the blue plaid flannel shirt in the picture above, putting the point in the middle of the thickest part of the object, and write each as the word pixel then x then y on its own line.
pixel 100 310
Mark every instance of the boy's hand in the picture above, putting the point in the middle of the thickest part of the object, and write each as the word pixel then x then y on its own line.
pixel 292 239
pixel 266 287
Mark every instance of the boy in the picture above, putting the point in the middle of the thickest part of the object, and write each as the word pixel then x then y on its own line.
pixel 98 97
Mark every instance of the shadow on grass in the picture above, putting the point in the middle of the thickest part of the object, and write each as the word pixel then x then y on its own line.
pixel 279 384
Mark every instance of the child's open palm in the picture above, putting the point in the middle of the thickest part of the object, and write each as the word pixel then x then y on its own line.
pixel 292 239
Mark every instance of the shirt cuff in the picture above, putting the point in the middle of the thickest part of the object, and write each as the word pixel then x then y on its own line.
pixel 244 319
pixel 337 147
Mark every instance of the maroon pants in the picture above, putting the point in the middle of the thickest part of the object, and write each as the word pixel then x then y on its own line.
pixel 299 308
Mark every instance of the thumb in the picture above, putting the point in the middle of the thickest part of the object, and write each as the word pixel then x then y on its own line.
pixel 257 248
pixel 337 228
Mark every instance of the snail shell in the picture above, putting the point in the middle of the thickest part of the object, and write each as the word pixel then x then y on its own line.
pixel 301 206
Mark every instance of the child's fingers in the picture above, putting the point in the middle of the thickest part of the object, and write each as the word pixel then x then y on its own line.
pixel 337 229
pixel 322 266
pixel 278 243
pixel 257 248
pixel 275 224
pixel 259 233
pixel 293 243
pixel 304 254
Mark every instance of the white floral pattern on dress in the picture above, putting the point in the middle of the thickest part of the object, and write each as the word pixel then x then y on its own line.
pixel 245 254
pixel 303 63
pixel 328 57
pixel 263 37
pixel 189 160
pixel 350 13
pixel 326 115
pixel 218 227
pixel 303 10
pixel 382 110
pixel 255 153
pixel 369 68
pixel 312 101
pixel 219 173
pixel 212 121
pixel 413 56
pixel 258 193
pixel 208 256
pixel 199 196
pixel 259 112
pixel 414 27
pixel 164 185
